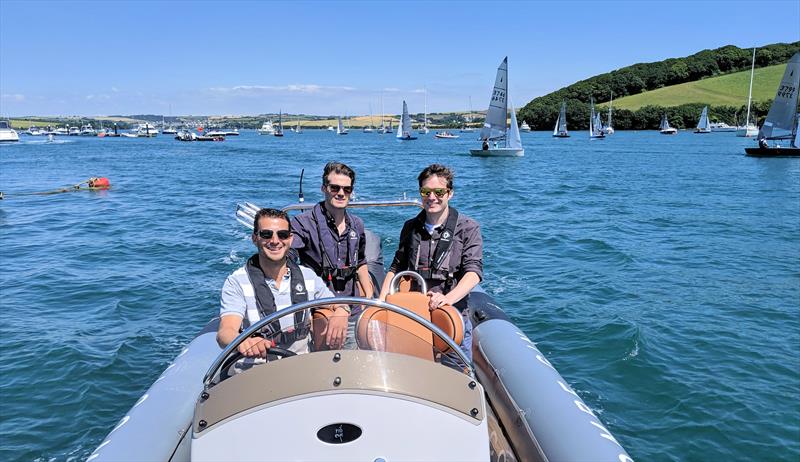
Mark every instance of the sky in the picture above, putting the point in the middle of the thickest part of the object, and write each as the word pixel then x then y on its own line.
pixel 93 58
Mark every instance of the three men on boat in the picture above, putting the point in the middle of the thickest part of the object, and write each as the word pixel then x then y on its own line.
pixel 442 245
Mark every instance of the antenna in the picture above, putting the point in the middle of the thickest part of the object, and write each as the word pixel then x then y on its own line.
pixel 300 195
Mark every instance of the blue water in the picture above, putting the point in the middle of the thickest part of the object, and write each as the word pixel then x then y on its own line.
pixel 660 275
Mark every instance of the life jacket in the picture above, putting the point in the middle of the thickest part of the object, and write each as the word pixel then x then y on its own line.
pixel 337 277
pixel 442 268
pixel 262 303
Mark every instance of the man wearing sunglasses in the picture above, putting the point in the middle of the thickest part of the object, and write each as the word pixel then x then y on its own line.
pixel 269 282
pixel 331 241
pixel 442 245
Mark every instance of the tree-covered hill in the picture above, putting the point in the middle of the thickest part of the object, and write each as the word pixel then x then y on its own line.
pixel 542 112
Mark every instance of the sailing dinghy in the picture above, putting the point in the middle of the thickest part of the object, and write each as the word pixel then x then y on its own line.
pixel 499 139
pixel 783 120
pixel 664 127
pixel 404 129
pixel 560 130
pixel 596 131
pixel 340 130
pixel 703 126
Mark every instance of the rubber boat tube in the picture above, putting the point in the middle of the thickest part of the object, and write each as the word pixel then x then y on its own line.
pixel 545 420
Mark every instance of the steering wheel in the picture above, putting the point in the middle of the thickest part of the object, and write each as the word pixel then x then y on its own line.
pixel 275 351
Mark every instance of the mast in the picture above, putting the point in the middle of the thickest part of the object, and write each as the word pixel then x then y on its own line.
pixel 750 92
pixel 425 114
pixel 611 103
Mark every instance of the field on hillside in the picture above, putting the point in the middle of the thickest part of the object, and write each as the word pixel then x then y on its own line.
pixel 725 90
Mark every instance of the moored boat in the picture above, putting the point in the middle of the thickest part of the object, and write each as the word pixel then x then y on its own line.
pixel 783 119
pixel 596 131
pixel 524 127
pixel 445 135
pixel 702 125
pixel 266 128
pixel 749 129
pixel 279 130
pixel 7 134
pixel 388 397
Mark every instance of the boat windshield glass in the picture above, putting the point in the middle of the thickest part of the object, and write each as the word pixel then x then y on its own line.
pixel 3 124
pixel 376 330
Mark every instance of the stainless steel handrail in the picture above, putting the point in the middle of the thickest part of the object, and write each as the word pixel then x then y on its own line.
pixel 214 369
pixel 393 286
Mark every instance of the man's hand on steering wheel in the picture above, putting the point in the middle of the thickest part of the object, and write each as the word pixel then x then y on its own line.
pixel 336 330
pixel 255 347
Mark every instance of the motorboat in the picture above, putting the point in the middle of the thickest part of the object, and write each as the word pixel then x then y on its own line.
pixel 74 131
pixel 664 127
pixel 33 130
pixel 783 119
pixel 266 128
pixel 216 132
pixel 7 134
pixel 389 396
pixel 88 130
pixel 721 127
pixel 445 135
pixel 524 127
pixel 146 130
pixel 234 132
pixel 169 130
pixel 504 137
pixel 61 131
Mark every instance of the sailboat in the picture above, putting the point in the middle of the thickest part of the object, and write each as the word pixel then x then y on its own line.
pixel 279 130
pixel 664 127
pixel 297 128
pixel 404 129
pixel 465 128
pixel 368 129
pixel 505 138
pixel 782 117
pixel 595 125
pixel 424 129
pixel 749 129
pixel 703 125
pixel 560 130
pixel 340 130
pixel 609 129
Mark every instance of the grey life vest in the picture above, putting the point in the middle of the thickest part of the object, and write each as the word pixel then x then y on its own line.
pixel 441 268
pixel 336 277
pixel 265 301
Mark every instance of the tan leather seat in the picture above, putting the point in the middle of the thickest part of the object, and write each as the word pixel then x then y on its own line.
pixel 381 329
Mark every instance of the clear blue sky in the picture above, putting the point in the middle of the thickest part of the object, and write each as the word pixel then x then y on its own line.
pixel 196 57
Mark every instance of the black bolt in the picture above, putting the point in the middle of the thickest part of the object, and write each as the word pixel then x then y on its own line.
pixel 337 357
pixel 472 385
pixel 337 381
pixel 202 424
pixel 204 395
pixel 474 412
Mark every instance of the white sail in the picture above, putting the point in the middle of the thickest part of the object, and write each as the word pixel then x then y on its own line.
pixel 702 125
pixel 664 123
pixel 782 113
pixel 562 118
pixel 340 127
pixel 558 123
pixel 404 129
pixel 495 125
pixel 513 140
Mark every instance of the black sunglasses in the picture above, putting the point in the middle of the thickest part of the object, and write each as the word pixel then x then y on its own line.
pixel 283 234
pixel 334 188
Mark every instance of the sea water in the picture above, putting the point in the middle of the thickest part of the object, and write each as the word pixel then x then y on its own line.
pixel 660 275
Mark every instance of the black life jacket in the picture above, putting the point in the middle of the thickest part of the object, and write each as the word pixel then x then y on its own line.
pixel 439 269
pixel 334 276
pixel 265 301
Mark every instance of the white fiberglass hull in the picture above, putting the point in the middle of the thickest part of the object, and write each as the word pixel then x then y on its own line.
pixel 8 136
pixel 747 132
pixel 498 152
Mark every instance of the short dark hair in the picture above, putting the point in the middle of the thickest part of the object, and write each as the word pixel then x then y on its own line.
pixel 436 170
pixel 270 213
pixel 341 169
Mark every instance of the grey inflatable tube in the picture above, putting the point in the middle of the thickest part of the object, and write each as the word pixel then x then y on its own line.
pixel 545 420
pixel 153 428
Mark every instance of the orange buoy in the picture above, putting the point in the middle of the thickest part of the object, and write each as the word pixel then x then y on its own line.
pixel 99 183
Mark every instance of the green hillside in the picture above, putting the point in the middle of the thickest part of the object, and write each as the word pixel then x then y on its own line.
pixel 724 90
